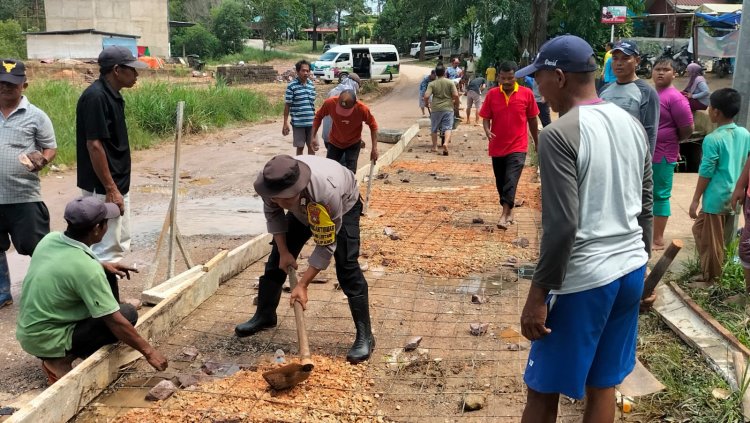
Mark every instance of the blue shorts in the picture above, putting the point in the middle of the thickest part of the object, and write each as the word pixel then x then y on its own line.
pixel 593 339
pixel 441 120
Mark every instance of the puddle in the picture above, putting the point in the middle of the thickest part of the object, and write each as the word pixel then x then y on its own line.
pixel 204 216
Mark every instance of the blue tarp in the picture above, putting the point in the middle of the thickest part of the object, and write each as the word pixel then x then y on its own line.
pixel 722 21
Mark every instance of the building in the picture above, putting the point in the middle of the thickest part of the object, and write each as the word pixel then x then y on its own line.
pixel 673 18
pixel 76 28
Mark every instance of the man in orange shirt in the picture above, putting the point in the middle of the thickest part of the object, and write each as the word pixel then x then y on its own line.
pixel 345 138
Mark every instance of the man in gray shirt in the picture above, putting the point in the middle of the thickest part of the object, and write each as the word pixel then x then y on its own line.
pixel 581 313
pixel 634 95
pixel 474 97
pixel 27 144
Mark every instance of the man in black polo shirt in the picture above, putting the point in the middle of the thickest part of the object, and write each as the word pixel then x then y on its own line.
pixel 102 145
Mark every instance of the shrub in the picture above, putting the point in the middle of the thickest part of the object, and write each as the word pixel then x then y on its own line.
pixel 230 26
pixel 12 40
pixel 196 40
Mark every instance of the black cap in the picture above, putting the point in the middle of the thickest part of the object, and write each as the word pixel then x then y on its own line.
pixel 566 52
pixel 12 71
pixel 629 47
pixel 119 55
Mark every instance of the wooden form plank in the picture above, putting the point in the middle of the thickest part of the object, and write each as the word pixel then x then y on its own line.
pixel 389 156
pixel 61 401
pixel 692 328
pixel 153 295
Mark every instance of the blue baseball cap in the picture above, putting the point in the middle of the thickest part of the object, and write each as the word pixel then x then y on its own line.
pixel 566 52
pixel 629 47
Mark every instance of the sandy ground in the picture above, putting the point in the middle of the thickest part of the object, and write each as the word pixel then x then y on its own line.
pixel 217 210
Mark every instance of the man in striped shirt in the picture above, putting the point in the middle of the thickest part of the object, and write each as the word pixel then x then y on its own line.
pixel 299 102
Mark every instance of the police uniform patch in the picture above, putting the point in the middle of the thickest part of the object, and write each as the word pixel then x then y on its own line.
pixel 322 227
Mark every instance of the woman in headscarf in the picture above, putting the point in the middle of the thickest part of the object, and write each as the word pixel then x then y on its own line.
pixel 697 91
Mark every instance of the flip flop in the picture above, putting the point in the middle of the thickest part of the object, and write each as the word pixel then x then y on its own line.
pixel 503 226
pixel 51 376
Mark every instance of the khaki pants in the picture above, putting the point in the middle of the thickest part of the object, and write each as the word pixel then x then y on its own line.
pixel 708 231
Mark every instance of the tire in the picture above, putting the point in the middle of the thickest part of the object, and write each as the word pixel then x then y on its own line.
pixel 681 69
pixel 648 70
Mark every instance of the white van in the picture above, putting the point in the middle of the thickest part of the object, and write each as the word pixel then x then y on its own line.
pixel 369 61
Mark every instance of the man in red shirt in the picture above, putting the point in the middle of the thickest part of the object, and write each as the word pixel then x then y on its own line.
pixel 507 111
pixel 347 115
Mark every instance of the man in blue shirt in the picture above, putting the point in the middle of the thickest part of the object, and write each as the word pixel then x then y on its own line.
pixel 423 88
pixel 299 102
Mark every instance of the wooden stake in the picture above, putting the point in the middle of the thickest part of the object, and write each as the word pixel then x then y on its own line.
pixel 661 267
pixel 175 186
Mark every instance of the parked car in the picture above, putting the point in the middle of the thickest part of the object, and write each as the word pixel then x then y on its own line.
pixel 430 48
pixel 329 46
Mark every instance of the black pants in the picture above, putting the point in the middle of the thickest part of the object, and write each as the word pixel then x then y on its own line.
pixel 91 334
pixel 24 223
pixel 544 113
pixel 507 171
pixel 346 256
pixel 351 155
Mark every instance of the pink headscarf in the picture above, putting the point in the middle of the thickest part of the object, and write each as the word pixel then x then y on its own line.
pixel 696 76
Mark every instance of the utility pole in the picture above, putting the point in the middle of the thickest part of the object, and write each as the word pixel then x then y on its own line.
pixel 741 80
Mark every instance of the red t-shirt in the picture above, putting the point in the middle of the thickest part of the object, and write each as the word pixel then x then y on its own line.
pixel 345 130
pixel 509 116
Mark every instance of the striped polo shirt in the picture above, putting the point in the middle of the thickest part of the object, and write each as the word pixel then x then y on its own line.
pixel 301 101
pixel 26 129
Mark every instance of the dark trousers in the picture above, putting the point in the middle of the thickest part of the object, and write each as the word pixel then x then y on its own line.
pixel 346 256
pixel 24 223
pixel 350 154
pixel 507 170
pixel 91 334
pixel 544 113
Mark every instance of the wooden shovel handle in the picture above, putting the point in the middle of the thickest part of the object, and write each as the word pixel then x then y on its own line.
pixel 299 318
pixel 661 267
pixel 369 187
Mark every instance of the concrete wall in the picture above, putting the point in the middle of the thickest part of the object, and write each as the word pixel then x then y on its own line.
pixel 75 46
pixel 145 18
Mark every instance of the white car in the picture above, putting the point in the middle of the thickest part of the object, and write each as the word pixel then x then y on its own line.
pixel 430 48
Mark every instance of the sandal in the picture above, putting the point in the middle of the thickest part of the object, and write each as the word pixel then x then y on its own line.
pixel 51 376
pixel 445 152
pixel 502 225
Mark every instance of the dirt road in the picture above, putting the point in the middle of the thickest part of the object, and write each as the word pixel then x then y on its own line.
pixel 218 208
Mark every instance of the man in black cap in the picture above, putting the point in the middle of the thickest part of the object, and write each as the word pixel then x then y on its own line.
pixel 581 312
pixel 27 144
pixel 323 202
pixel 102 144
pixel 69 309
pixel 632 94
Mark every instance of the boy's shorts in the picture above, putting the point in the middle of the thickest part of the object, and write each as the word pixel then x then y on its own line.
pixel 473 98
pixel 593 339
pixel 301 136
pixel 441 120
pixel 744 247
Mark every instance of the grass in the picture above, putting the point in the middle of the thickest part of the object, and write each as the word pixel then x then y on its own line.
pixel 301 47
pixel 151 110
pixel 688 379
pixel 714 298
pixel 253 55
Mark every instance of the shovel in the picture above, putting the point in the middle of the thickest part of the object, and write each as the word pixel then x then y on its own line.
pixel 290 375
pixel 366 207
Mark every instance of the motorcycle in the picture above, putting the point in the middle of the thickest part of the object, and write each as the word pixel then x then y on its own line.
pixel 682 58
pixel 646 66
pixel 722 67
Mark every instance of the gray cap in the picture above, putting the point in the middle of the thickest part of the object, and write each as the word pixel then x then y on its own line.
pixel 88 211
pixel 119 55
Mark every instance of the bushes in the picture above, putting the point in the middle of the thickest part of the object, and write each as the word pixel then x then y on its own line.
pixel 151 110
pixel 12 40
pixel 196 40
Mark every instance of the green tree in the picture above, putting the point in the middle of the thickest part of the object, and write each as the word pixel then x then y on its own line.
pixel 581 18
pixel 353 11
pixel 196 40
pixel 229 25
pixel 12 40
pixel 320 11
pixel 274 18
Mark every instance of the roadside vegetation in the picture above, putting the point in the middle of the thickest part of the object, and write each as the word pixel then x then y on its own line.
pixel 301 47
pixel 688 379
pixel 151 110
pixel 254 55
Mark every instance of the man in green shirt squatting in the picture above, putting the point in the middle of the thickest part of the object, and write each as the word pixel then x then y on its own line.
pixel 69 309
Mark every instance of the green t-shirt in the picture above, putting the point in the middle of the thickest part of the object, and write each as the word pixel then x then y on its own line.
pixel 442 91
pixel 64 285
pixel 724 153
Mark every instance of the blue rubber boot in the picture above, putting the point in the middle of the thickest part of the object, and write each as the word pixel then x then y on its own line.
pixel 5 297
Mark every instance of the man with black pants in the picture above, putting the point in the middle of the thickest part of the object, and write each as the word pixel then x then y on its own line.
pixel 102 146
pixel 323 202
pixel 27 144
pixel 507 111
pixel 69 309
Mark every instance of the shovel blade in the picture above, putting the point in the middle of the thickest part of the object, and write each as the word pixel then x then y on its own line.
pixel 288 376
